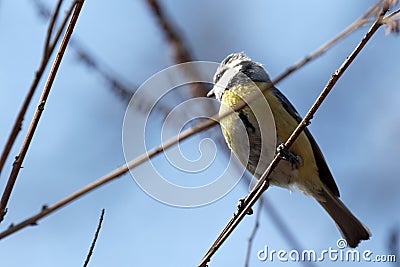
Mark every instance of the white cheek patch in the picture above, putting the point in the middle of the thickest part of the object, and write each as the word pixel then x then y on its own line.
pixel 223 82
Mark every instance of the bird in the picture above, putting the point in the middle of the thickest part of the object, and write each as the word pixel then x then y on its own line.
pixel 262 127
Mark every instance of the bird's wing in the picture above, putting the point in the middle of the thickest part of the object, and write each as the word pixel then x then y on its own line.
pixel 323 169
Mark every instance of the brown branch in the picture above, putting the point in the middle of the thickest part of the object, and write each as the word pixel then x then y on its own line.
pixel 61 28
pixel 96 235
pixel 28 98
pixel 263 183
pixel 50 29
pixel 394 13
pixel 180 50
pixel 280 224
pixel 50 209
pixel 363 20
pixel 92 63
pixel 253 233
pixel 124 168
pixel 392 22
pixel 39 110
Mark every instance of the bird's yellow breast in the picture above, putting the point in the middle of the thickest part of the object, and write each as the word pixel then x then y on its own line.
pixel 305 177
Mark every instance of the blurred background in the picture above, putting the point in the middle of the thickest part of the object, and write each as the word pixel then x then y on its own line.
pixel 79 138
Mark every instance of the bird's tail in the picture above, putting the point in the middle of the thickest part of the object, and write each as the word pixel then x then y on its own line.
pixel 351 228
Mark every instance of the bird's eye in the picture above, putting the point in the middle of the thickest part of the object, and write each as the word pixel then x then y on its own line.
pixel 218 76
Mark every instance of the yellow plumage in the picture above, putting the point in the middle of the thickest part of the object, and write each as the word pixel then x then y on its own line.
pixel 304 177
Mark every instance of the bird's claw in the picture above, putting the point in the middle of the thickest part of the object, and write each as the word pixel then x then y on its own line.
pixel 286 154
pixel 241 205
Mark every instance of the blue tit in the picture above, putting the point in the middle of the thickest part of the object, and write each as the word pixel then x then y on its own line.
pixel 305 168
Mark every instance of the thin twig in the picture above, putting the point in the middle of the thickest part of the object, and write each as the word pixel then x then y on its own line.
pixel 280 224
pixel 287 235
pixel 61 28
pixel 253 233
pixel 180 50
pixel 96 235
pixel 392 23
pixel 28 98
pixel 88 59
pixel 391 15
pixel 119 171
pixel 39 110
pixel 263 183
pixel 50 209
pixel 363 20
pixel 50 28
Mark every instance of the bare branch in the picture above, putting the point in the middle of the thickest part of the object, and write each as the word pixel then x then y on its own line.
pixel 39 110
pixel 263 183
pixel 42 9
pixel 363 20
pixel 123 92
pixel 394 13
pixel 180 50
pixel 96 235
pixel 388 4
pixel 392 22
pixel 280 224
pixel 46 51
pixel 39 73
pixel 91 62
pixel 253 233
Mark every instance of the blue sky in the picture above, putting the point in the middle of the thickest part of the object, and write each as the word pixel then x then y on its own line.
pixel 79 136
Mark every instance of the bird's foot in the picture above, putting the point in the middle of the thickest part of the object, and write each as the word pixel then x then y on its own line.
pixel 286 154
pixel 241 205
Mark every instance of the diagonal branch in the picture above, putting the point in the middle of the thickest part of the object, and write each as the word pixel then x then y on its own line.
pixel 263 183
pixel 286 233
pixel 363 20
pixel 46 52
pixel 39 110
pixel 253 233
pixel 122 89
pixel 392 22
pixel 39 73
pixel 180 50
pixel 96 235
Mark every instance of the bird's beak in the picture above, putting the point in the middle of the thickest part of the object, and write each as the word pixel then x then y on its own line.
pixel 211 93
